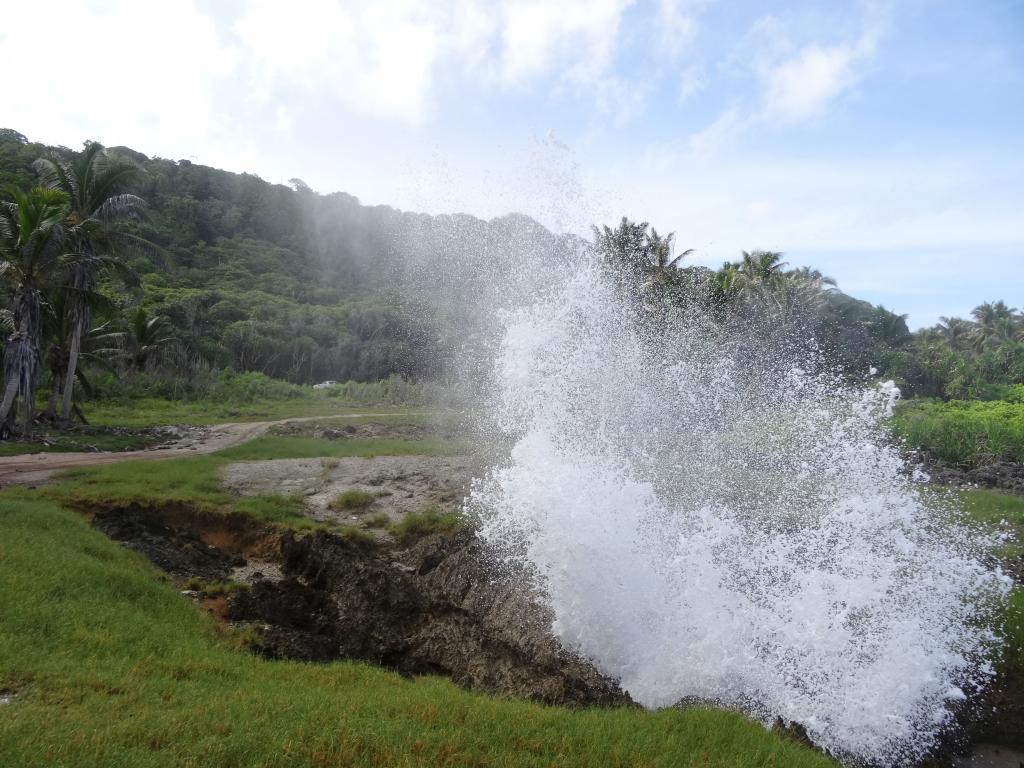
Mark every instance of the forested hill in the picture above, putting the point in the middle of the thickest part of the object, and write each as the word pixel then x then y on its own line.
pixel 253 276
pixel 285 281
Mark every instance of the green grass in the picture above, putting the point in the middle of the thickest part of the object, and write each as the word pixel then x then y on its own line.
pixel 78 441
pixel 192 482
pixel 964 433
pixel 997 511
pixel 110 667
pixel 416 525
pixel 143 412
pixel 352 499
pixel 274 447
pixel 1002 512
pixel 377 520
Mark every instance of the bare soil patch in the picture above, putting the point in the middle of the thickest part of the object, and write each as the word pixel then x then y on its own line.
pixel 399 484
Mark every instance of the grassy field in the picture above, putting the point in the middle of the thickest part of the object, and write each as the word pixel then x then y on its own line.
pixel 79 440
pixel 147 401
pixel 1005 513
pixel 149 412
pixel 109 666
pixel 963 433
pixel 282 447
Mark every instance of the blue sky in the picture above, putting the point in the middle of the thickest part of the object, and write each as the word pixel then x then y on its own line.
pixel 878 141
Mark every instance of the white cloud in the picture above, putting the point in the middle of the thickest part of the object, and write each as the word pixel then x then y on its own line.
pixel 794 84
pixel 158 76
pixel 801 87
pixel 380 58
pixel 374 58
pixel 677 24
pixel 581 34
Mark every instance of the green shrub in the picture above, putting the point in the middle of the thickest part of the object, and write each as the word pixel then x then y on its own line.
pixel 378 520
pixel 352 499
pixel 961 432
pixel 416 525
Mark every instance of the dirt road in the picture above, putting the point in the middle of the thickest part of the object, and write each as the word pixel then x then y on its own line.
pixel 38 467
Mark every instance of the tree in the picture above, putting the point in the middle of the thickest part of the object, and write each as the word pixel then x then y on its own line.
pixel 95 183
pixel 145 336
pixel 956 332
pixel 99 347
pixel 32 243
pixel 644 261
pixel 761 270
pixel 996 324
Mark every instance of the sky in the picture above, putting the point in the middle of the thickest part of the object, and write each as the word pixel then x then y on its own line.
pixel 881 142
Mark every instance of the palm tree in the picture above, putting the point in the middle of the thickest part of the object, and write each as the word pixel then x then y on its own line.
pixel 725 286
pixel 661 249
pixel 996 324
pixel 956 332
pixel 32 242
pixel 890 328
pixel 94 183
pixel 800 291
pixel 764 268
pixel 145 335
pixel 99 346
pixel 626 247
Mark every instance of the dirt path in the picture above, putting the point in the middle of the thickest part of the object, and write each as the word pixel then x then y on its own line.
pixel 38 467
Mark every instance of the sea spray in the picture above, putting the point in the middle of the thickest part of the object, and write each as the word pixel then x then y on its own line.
pixel 711 514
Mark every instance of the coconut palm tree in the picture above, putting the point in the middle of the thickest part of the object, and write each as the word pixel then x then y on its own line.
pixel 996 324
pixel 801 291
pixel 33 239
pixel 762 268
pixel 726 283
pixel 99 347
pixel 956 332
pixel 145 336
pixel 95 183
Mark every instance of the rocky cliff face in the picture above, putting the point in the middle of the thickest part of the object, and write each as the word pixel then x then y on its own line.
pixel 437 607
pixel 434 609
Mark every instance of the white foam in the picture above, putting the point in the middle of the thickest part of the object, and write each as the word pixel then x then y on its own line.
pixel 712 522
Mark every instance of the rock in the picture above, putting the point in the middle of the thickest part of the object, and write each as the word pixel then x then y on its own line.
pixel 448 617
pixel 177 550
pixel 1002 475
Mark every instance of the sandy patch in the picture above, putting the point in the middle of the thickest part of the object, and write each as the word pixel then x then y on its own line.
pixel 401 484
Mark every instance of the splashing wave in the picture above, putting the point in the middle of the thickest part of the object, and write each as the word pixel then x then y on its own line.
pixel 711 520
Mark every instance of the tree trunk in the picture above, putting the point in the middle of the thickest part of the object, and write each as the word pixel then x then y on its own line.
pixel 55 390
pixel 10 392
pixel 27 407
pixel 69 377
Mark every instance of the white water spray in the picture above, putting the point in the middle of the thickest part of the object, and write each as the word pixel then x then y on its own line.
pixel 709 521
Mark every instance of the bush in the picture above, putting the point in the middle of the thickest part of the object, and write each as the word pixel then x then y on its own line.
pixel 223 386
pixel 967 433
pixel 393 390
pixel 416 525
pixel 352 499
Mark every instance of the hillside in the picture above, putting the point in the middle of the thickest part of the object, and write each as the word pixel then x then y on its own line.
pixel 281 280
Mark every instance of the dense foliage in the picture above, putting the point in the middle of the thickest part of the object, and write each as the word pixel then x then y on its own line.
pixel 966 433
pixel 758 295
